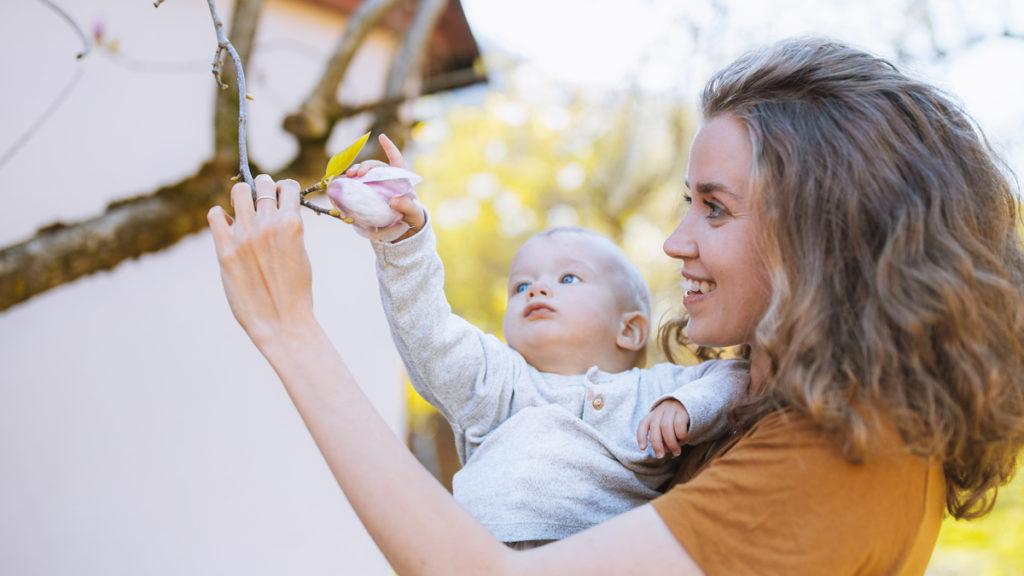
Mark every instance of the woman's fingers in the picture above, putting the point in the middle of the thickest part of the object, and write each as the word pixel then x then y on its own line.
pixel 266 194
pixel 391 151
pixel 241 201
pixel 289 196
pixel 220 227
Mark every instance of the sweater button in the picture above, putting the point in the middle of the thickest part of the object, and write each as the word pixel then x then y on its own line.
pixel 598 402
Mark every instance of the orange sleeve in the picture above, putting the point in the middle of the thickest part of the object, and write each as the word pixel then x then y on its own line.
pixel 783 500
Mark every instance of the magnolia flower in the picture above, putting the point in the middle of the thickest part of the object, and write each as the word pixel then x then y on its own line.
pixel 366 200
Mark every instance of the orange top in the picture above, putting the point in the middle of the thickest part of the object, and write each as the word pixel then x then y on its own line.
pixel 782 500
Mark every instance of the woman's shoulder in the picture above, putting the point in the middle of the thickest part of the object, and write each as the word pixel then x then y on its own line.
pixel 788 480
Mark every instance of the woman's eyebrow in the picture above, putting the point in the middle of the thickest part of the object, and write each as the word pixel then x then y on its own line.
pixel 712 187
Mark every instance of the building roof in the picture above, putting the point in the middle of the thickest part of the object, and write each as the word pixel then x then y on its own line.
pixel 452 46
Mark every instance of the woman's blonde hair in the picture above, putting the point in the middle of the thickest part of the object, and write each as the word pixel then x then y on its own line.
pixel 892 237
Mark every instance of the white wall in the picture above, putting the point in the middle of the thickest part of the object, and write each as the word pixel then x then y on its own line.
pixel 140 431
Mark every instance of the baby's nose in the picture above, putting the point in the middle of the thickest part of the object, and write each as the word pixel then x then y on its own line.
pixel 539 290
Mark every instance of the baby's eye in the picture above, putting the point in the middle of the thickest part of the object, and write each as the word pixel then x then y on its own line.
pixel 520 288
pixel 569 279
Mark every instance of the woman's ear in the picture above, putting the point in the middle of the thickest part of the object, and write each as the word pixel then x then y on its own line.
pixel 633 330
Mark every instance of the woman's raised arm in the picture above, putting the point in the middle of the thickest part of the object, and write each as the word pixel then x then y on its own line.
pixel 417 525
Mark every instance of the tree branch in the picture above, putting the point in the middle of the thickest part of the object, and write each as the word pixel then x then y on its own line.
pixel 19 142
pixel 60 253
pixel 407 62
pixel 62 96
pixel 311 121
pixel 86 44
pixel 230 133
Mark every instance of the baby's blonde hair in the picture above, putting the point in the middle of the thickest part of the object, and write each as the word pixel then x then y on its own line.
pixel 637 293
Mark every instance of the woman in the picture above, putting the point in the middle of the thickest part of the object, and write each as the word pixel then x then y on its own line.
pixel 862 246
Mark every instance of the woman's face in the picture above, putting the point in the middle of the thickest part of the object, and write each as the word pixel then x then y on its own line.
pixel 725 282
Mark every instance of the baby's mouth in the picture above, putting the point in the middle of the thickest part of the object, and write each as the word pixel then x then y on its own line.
pixel 698 286
pixel 538 309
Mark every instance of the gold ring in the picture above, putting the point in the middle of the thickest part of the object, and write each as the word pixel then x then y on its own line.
pixel 258 198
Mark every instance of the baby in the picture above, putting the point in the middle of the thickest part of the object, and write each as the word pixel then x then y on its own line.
pixel 551 428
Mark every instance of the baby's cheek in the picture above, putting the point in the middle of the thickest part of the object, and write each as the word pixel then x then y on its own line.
pixel 508 326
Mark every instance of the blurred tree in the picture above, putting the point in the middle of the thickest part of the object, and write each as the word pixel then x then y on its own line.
pixel 60 253
pixel 502 171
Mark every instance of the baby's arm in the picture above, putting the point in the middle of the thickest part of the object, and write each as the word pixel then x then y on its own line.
pixel 696 410
pixel 466 374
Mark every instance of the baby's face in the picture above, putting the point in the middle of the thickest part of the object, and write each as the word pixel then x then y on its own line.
pixel 566 301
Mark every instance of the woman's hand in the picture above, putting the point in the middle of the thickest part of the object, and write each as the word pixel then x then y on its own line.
pixel 263 260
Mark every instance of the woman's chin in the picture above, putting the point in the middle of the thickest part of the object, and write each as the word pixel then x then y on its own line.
pixel 708 336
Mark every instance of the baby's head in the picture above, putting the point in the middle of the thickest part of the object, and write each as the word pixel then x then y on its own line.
pixel 576 301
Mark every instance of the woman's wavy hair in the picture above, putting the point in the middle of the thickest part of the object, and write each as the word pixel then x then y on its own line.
pixel 892 238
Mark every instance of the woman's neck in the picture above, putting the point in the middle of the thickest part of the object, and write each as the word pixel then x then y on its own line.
pixel 758 370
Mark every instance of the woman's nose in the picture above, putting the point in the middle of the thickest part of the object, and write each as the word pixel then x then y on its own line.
pixel 681 243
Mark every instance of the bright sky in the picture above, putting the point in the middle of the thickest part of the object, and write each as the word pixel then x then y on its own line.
pixel 613 44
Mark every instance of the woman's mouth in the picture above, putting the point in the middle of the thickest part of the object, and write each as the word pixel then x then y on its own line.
pixel 697 287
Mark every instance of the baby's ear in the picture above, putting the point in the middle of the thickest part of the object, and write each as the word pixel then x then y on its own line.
pixel 633 330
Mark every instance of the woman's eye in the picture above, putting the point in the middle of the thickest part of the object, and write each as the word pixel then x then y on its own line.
pixel 521 287
pixel 687 198
pixel 715 211
pixel 569 279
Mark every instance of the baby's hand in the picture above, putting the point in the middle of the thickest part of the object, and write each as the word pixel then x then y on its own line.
pixel 406 205
pixel 668 424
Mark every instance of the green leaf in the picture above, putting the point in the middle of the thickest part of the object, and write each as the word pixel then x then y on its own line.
pixel 342 160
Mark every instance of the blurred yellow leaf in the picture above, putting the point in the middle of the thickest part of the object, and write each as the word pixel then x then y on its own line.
pixel 342 160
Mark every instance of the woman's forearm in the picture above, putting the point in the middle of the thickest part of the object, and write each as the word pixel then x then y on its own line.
pixel 414 521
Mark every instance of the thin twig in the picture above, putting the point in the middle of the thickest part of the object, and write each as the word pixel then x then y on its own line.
pixel 312 189
pixel 224 44
pixel 50 110
pixel 86 44
pixel 61 96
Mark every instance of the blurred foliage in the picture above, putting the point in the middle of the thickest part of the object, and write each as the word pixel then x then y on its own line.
pixel 498 171
pixel 990 546
pixel 502 170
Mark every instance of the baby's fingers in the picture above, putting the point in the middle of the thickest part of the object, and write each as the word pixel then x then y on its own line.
pixel 657 443
pixel 359 170
pixel 668 434
pixel 641 432
pixel 411 211
pixel 391 151
pixel 681 424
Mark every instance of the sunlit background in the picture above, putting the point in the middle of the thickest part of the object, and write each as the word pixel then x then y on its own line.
pixel 140 432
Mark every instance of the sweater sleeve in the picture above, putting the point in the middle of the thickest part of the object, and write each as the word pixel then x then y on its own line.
pixel 469 376
pixel 707 391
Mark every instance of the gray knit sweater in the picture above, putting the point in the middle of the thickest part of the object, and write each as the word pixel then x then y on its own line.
pixel 544 455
